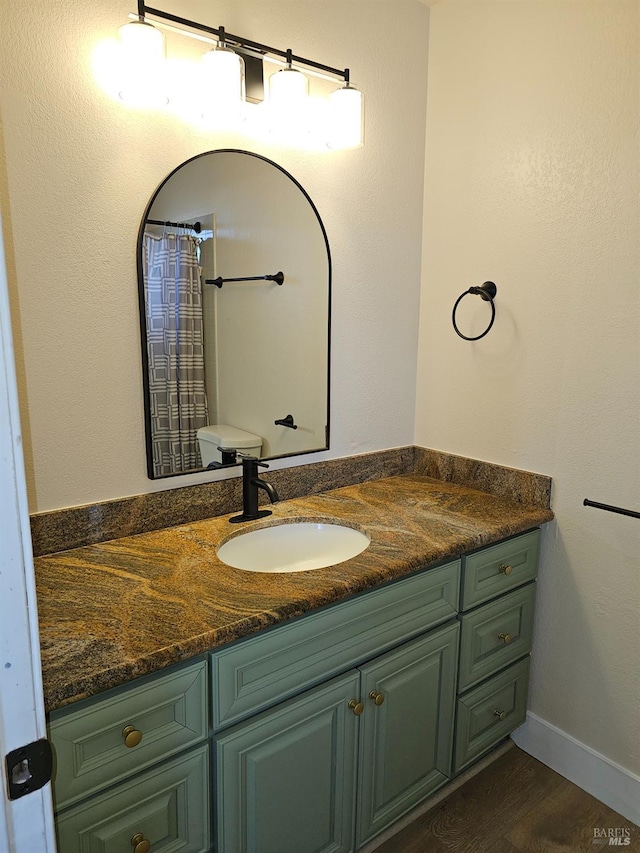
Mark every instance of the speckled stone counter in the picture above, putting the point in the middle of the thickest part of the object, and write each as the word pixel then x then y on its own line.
pixel 117 610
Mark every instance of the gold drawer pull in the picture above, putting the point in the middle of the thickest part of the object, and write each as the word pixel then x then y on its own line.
pixel 506 638
pixel 140 844
pixel 506 570
pixel 132 737
pixel 499 714
pixel 356 707
pixel 378 698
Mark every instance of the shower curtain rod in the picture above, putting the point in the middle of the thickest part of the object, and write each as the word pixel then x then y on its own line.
pixel 192 226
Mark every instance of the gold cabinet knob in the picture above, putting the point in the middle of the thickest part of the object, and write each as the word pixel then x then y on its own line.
pixel 506 638
pixel 356 707
pixel 140 844
pixel 506 570
pixel 499 714
pixel 132 737
pixel 378 698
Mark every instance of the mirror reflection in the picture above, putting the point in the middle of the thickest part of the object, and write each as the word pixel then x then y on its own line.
pixel 234 279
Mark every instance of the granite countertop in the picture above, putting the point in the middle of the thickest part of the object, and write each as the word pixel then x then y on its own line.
pixel 118 610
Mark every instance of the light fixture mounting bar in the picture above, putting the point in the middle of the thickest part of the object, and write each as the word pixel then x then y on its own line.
pixel 239 41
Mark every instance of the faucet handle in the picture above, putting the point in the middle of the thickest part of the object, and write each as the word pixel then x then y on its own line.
pixel 229 455
pixel 249 457
pixel 249 461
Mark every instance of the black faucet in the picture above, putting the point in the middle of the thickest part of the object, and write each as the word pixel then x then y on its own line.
pixel 250 485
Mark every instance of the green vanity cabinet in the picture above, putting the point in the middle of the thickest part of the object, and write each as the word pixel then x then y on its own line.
pixel 497 606
pixel 330 769
pixel 314 735
pixel 276 694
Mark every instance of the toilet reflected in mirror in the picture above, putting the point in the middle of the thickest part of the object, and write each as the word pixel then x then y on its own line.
pixel 225 362
pixel 220 444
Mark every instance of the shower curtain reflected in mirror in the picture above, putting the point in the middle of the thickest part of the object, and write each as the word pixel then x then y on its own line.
pixel 178 402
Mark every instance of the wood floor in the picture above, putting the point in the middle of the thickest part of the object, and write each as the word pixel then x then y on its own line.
pixel 516 805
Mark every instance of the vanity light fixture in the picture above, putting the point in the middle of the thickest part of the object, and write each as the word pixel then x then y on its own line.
pixel 142 56
pixel 222 72
pixel 346 116
pixel 288 100
pixel 289 86
pixel 223 79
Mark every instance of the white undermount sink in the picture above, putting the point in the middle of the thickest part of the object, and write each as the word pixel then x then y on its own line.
pixel 294 547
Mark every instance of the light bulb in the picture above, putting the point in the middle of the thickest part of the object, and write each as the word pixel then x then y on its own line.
pixel 346 118
pixel 142 56
pixel 289 103
pixel 288 88
pixel 223 89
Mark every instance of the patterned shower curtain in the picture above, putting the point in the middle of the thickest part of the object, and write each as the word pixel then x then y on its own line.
pixel 175 349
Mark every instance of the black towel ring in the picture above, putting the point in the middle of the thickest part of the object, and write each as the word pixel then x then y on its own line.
pixel 486 291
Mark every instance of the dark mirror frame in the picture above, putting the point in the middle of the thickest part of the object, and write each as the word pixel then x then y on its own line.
pixel 143 322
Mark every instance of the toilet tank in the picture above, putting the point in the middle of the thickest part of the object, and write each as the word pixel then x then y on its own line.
pixel 210 438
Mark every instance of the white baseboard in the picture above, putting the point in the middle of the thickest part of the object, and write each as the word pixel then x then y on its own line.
pixel 594 773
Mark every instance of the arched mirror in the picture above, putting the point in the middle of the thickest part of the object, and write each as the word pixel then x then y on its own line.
pixel 234 276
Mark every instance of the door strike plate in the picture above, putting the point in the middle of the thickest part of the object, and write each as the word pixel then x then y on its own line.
pixel 28 768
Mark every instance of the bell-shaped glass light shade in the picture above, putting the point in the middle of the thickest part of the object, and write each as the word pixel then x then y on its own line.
pixel 223 82
pixel 288 88
pixel 142 56
pixel 288 103
pixel 346 118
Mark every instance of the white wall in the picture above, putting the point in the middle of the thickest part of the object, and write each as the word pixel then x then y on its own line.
pixel 532 180
pixel 79 169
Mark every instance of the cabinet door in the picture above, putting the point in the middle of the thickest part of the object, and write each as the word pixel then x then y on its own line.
pixel 286 778
pixel 406 741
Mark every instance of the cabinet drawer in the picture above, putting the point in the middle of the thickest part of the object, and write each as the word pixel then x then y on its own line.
pixel 167 806
pixel 495 635
pixel 488 713
pixel 498 569
pixel 262 670
pixel 90 749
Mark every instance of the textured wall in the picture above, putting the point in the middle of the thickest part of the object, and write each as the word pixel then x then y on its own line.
pixel 78 171
pixel 532 180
